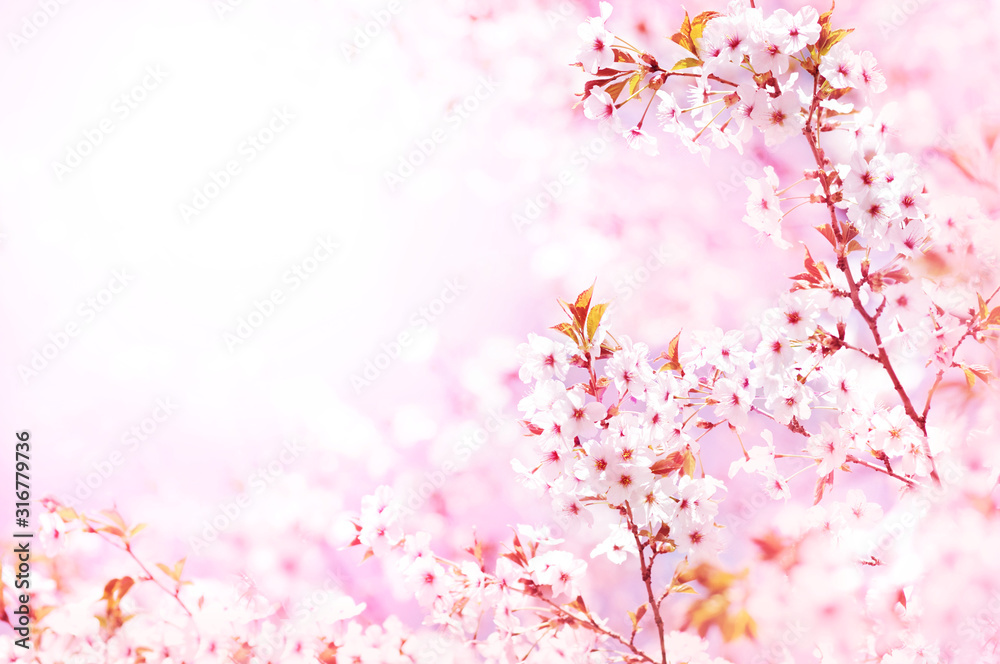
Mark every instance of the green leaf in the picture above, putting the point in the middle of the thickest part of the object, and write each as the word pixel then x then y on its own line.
pixel 633 83
pixel 594 319
pixel 687 63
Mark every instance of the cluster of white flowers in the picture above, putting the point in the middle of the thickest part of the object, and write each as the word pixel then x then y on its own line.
pixel 780 75
pixel 618 434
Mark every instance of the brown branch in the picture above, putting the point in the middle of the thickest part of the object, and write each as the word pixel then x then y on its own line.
pixel 592 624
pixel 647 579
pixel 853 459
pixel 812 136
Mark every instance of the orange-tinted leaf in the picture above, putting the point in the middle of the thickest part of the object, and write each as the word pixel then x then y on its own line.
pixel 584 298
pixel 689 464
pixel 568 330
pixel 821 484
pixel 833 38
pixel 673 350
pixel 621 55
pixel 109 589
pixel 578 604
pixel 124 585
pixel 683 38
pixel 981 372
pixel 615 89
pixel 827 232
pixel 669 464
pixel 699 23
pixel 115 518
pixel 67 514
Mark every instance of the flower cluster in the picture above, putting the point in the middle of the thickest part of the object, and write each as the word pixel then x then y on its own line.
pixel 631 440
pixel 161 614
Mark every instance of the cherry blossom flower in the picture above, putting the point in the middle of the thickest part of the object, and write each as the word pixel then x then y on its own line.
pixel 694 504
pixel 776 486
pixel 379 521
pixel 427 578
pixel 617 545
pixel 840 66
pixel 759 459
pixel 830 448
pixel 701 541
pixel 542 359
pixel 865 75
pixel 600 106
pixel 637 139
pixel 558 569
pixel 734 402
pixel 596 52
pixel 572 511
pixel 629 368
pixel 763 207
pixel 793 32
pixel 893 432
pixel 726 38
pixel 780 119
pixel 857 512
pixel 626 482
